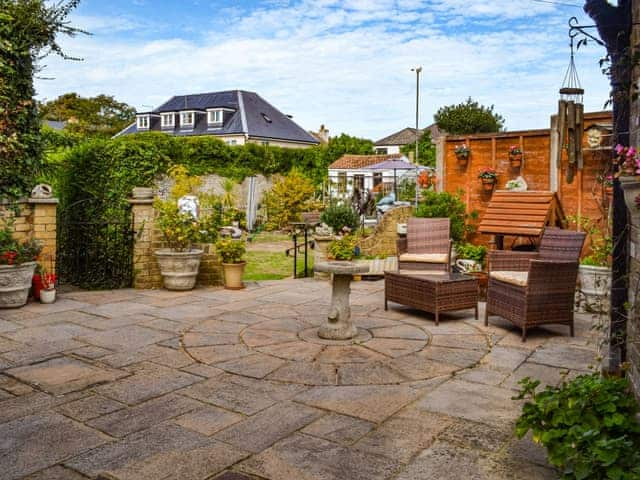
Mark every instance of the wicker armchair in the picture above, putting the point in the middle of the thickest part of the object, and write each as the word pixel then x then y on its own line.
pixel 536 288
pixel 427 246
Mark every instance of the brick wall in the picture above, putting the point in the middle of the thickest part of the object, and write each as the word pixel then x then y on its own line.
pixel 383 240
pixel 35 219
pixel 146 273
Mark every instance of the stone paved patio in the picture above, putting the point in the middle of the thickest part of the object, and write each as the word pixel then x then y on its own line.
pixel 235 385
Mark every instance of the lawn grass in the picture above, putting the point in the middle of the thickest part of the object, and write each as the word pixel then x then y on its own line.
pixel 273 265
pixel 269 237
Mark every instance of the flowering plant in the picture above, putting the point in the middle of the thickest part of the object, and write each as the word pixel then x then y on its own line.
pixel 608 181
pixel 488 173
pixel 462 151
pixel 13 252
pixel 515 150
pixel 627 159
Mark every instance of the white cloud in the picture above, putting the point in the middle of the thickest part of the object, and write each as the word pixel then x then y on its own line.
pixel 347 63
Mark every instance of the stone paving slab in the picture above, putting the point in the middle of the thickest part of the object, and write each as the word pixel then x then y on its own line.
pixel 214 383
pixel 64 375
pixel 166 451
pixel 32 443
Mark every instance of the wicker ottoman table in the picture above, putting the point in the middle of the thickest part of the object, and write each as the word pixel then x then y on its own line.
pixel 432 293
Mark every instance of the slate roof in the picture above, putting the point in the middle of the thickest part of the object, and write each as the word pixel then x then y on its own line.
pixel 252 115
pixel 408 135
pixel 354 162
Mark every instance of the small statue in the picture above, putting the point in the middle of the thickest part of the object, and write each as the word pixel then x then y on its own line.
pixel 189 204
pixel 42 190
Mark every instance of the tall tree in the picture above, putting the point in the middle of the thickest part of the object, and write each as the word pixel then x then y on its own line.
pixel 28 30
pixel 426 150
pixel 614 27
pixel 467 118
pixel 89 115
pixel 338 146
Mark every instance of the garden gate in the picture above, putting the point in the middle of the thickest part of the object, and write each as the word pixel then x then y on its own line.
pixel 95 251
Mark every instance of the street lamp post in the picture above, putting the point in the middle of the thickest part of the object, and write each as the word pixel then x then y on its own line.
pixel 417 70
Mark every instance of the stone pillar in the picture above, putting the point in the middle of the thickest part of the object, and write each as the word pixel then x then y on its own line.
pixel 145 268
pixel 45 228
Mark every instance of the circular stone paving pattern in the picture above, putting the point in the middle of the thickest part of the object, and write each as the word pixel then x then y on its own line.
pixel 289 350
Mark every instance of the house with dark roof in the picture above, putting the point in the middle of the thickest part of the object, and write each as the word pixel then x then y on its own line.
pixel 394 142
pixel 236 116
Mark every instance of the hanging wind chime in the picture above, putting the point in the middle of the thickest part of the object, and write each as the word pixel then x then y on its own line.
pixel 570 124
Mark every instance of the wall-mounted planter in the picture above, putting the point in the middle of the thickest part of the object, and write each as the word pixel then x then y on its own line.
pixel 488 184
pixel 463 160
pixel 515 159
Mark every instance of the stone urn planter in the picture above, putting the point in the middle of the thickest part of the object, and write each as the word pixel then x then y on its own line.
pixel 15 282
pixel 233 273
pixel 595 285
pixel 179 270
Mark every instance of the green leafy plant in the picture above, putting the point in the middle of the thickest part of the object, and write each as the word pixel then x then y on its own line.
pixel 179 230
pixel 488 173
pixel 587 425
pixel 288 198
pixel 462 151
pixel 445 204
pixel 600 243
pixel 339 216
pixel 230 250
pixel 468 117
pixel 343 248
pixel 470 251
pixel 13 252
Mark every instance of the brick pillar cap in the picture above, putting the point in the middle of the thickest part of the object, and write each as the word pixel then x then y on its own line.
pixel 49 201
pixel 140 201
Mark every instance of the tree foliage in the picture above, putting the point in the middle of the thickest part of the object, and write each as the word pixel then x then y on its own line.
pixel 28 31
pixel 426 150
pixel 102 114
pixel 287 199
pixel 467 118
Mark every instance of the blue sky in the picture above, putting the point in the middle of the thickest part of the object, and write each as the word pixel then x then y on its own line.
pixel 346 64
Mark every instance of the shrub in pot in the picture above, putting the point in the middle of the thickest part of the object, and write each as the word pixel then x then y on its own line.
pixel 339 216
pixel 231 253
pixel 17 265
pixel 470 257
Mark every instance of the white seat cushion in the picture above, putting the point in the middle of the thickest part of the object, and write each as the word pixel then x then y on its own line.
pixel 514 278
pixel 424 257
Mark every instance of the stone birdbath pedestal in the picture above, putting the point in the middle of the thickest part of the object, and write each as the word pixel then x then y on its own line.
pixel 338 325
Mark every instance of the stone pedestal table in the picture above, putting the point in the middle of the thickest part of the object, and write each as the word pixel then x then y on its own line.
pixel 338 325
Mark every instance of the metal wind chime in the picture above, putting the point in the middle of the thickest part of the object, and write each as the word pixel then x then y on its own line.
pixel 570 124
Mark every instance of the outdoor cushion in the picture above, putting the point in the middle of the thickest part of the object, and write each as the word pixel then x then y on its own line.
pixel 514 278
pixel 424 257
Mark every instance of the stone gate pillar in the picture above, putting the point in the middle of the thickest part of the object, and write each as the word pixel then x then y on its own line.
pixel 145 268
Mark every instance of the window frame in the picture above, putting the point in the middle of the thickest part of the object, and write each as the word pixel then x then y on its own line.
pixel 211 114
pixel 143 122
pixel 171 116
pixel 192 123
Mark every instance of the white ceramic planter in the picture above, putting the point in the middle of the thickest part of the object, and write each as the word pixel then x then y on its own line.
pixel 15 282
pixel 595 286
pixel 48 296
pixel 179 270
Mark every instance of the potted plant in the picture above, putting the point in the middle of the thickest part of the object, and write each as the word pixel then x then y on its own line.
pixel 594 272
pixel 231 253
pixel 488 176
pixel 179 262
pixel 607 185
pixel 462 153
pixel 626 160
pixel 344 248
pixel 470 257
pixel 48 292
pixel 515 156
pixel 17 265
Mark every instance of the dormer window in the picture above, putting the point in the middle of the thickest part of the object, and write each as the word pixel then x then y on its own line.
pixel 187 119
pixel 168 120
pixel 143 122
pixel 214 117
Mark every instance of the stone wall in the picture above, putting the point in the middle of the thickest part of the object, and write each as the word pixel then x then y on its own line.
pixel 383 240
pixel 35 219
pixel 146 273
pixel 631 190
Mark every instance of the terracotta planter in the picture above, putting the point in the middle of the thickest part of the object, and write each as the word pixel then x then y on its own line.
pixel 515 160
pixel 15 282
pixel 488 183
pixel 233 275
pixel 462 160
pixel 178 269
pixel 608 190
